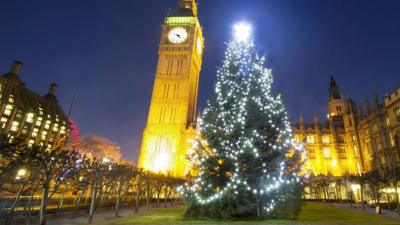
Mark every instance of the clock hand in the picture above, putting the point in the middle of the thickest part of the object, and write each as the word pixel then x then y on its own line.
pixel 179 36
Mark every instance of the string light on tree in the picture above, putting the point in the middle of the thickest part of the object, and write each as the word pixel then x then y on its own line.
pixel 244 153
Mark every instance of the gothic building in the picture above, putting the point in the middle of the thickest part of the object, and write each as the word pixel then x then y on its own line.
pixel 29 116
pixel 173 104
pixel 351 141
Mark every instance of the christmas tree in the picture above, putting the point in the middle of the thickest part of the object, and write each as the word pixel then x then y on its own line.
pixel 244 157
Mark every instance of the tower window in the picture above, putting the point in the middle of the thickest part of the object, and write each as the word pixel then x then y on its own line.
pixel 327 153
pixel 398 114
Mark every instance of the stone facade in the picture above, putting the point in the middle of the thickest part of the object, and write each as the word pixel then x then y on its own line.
pixel 29 116
pixel 351 141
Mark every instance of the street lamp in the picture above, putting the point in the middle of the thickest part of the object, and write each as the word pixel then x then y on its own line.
pixel 20 173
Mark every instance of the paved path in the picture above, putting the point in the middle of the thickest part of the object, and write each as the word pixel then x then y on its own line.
pixel 101 217
pixel 368 210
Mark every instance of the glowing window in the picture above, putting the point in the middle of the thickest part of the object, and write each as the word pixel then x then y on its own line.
pixel 44 134
pixel 55 128
pixel 327 153
pixel 31 142
pixel 325 139
pixel 3 122
pixel 11 99
pixel 47 125
pixel 29 117
pixel 8 109
pixel 310 139
pixel 35 132
pixel 14 126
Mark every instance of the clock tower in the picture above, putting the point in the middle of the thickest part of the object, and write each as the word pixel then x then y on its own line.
pixel 171 118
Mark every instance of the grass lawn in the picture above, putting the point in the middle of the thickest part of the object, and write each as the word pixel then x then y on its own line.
pixel 311 213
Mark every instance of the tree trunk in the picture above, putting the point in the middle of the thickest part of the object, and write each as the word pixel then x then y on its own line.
pixel 119 189
pixel 14 205
pixel 60 204
pixel 103 195
pixel 325 194
pixel 94 195
pixel 137 195
pixel 43 204
pixel 351 199
pixel 126 194
pixel 158 194
pixel 362 195
pixel 172 195
pixel 166 195
pixel 29 213
pixel 258 208
pixel 148 193
pixel 78 202
pixel 388 199
pixel 378 202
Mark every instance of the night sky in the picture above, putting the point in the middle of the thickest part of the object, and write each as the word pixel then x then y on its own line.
pixel 106 52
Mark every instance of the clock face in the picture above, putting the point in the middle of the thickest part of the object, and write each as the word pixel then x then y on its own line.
pixel 199 46
pixel 177 35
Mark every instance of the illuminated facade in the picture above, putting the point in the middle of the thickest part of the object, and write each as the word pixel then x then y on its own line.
pixel 26 115
pixel 172 112
pixel 350 141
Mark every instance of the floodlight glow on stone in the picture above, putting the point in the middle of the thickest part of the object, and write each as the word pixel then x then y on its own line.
pixel 242 31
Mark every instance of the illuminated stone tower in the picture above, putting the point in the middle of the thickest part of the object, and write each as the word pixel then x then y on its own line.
pixel 170 123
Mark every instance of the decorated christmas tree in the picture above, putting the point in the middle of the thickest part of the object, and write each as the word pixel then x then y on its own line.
pixel 245 161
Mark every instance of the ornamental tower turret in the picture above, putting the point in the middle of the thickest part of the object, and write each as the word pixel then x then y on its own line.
pixel 173 104
pixel 336 103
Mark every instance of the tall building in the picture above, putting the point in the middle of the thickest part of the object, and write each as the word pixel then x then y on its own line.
pixel 351 141
pixel 392 110
pixel 172 113
pixel 29 116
